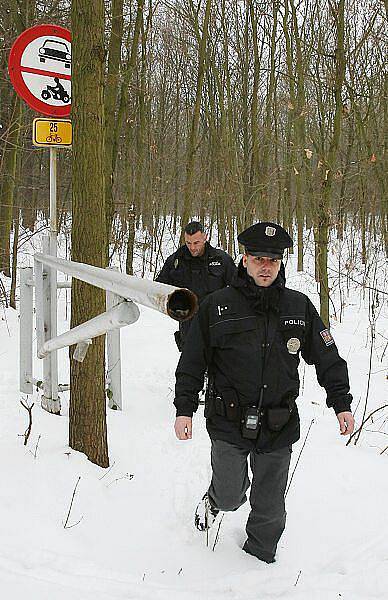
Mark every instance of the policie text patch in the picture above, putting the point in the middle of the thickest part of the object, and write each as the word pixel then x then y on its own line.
pixel 327 337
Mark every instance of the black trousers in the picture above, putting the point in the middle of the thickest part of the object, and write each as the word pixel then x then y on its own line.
pixel 229 485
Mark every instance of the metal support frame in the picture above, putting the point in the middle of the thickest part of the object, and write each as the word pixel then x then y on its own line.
pixel 46 328
pixel 122 291
pixel 26 327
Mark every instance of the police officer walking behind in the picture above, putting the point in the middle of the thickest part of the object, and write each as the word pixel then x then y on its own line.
pixel 250 337
pixel 197 266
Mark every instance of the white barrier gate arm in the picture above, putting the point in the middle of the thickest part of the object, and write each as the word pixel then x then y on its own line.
pixel 179 304
pixel 122 292
pixel 122 314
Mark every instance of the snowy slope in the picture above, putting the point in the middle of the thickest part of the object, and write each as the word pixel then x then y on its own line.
pixel 135 537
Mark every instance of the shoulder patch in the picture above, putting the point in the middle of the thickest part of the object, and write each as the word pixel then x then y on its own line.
pixel 327 337
pixel 176 263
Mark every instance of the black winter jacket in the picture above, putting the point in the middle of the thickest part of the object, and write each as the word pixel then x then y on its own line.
pixel 205 274
pixel 251 348
pixel 202 275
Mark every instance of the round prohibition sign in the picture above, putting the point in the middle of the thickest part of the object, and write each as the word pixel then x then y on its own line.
pixel 40 69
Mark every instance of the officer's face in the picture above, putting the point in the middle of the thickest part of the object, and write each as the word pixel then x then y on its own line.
pixel 196 243
pixel 262 269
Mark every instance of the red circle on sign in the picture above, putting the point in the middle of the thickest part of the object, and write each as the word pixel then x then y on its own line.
pixel 15 69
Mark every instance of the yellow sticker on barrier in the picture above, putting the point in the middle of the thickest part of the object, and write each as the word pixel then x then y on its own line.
pixel 51 132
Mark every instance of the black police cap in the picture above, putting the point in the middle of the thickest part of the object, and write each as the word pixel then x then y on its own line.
pixel 265 239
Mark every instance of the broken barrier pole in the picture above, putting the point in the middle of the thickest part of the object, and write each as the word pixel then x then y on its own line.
pixel 122 314
pixel 178 303
pixel 122 293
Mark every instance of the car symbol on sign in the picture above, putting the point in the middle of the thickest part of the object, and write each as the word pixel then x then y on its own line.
pixel 54 50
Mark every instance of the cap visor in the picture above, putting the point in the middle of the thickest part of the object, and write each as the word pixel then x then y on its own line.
pixel 264 254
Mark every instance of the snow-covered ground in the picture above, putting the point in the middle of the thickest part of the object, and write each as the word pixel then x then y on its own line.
pixel 133 535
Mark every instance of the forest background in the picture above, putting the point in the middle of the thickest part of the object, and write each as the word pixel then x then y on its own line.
pixel 230 111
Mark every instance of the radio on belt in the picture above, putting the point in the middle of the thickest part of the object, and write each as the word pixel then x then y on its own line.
pixel 251 423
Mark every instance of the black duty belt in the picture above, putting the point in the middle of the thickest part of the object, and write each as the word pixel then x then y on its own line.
pixel 228 406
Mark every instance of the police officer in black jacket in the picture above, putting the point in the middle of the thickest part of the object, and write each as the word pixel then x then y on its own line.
pixel 197 266
pixel 250 337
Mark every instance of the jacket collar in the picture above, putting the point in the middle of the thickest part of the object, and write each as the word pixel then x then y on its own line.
pixel 242 279
pixel 261 299
pixel 183 252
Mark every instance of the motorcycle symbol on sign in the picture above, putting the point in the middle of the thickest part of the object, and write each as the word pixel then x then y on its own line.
pixel 58 92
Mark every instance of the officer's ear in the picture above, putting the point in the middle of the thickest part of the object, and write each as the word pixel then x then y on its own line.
pixel 244 260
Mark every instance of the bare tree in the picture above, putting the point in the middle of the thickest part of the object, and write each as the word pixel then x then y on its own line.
pixel 87 426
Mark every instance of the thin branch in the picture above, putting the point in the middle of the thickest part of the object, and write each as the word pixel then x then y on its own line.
pixel 70 507
pixel 365 421
pixel 129 476
pixel 108 471
pixel 36 447
pixel 28 430
pixel 297 579
pixel 218 532
pixel 300 454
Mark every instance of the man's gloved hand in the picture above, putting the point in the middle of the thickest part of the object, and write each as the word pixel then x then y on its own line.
pixel 183 428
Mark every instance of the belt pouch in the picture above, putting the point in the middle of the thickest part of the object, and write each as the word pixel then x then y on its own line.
pixel 231 404
pixel 277 418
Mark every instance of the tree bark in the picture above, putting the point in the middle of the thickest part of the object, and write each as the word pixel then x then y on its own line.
pixel 8 186
pixel 111 92
pixel 87 426
pixel 330 166
pixel 192 142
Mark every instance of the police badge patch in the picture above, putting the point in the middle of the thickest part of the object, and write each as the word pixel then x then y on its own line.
pixel 270 231
pixel 293 345
pixel 327 337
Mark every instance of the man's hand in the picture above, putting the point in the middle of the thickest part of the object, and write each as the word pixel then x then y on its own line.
pixel 346 421
pixel 183 428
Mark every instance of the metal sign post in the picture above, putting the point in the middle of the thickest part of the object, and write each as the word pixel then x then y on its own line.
pixel 54 405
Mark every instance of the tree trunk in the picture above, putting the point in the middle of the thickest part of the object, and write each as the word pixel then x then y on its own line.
pixel 192 142
pixel 8 186
pixel 12 295
pixel 110 100
pixel 131 241
pixel 87 427
pixel 330 167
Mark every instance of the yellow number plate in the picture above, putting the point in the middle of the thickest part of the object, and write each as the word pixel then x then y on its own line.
pixel 51 132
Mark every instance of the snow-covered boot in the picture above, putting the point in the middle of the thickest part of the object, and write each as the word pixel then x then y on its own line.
pixel 205 514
